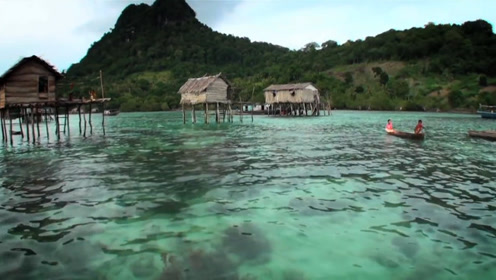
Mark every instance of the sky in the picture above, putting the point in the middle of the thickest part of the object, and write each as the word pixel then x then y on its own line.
pixel 61 31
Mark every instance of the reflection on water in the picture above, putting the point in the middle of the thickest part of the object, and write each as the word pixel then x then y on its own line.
pixel 303 198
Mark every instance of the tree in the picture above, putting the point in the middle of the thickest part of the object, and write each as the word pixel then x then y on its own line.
pixel 359 89
pixel 377 71
pixel 399 88
pixel 329 44
pixel 483 81
pixel 348 78
pixel 456 98
pixel 384 78
pixel 311 46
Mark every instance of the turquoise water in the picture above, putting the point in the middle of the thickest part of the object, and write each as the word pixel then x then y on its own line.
pixel 331 197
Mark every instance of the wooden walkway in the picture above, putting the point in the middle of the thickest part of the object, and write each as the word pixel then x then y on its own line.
pixel 33 113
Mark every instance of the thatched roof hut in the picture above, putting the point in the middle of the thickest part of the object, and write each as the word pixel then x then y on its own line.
pixel 292 93
pixel 31 80
pixel 208 89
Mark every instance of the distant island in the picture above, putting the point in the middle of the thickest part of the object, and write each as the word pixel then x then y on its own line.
pixel 153 50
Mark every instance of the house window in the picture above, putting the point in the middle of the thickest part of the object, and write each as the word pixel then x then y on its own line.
pixel 43 84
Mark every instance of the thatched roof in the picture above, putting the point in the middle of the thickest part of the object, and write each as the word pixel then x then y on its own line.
pixel 25 60
pixel 198 85
pixel 288 87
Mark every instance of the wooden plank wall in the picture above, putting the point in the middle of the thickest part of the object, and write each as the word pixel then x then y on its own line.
pixel 192 98
pixel 22 85
pixel 284 96
pixel 2 98
pixel 217 91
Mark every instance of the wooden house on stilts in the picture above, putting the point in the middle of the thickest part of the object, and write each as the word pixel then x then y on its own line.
pixel 207 91
pixel 28 93
pixel 293 99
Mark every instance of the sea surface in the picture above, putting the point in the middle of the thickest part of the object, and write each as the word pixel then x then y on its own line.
pixel 329 197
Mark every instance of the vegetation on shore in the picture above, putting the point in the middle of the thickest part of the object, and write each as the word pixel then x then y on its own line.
pixel 154 49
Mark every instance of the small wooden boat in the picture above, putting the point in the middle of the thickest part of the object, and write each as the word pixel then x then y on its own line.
pixel 407 135
pixel 487 135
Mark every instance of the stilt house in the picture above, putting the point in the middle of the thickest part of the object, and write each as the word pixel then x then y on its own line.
pixel 292 99
pixel 209 90
pixel 31 80
pixel 27 93
pixel 206 90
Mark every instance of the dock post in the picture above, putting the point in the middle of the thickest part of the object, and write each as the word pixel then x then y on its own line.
pixel 46 124
pixel 20 124
pixel 26 119
pixel 38 124
pixel 79 113
pixel 184 114
pixel 57 122
pixel 10 119
pixel 241 112
pixel 103 102
pixel 252 106
pixel 84 116
pixel 193 113
pixel 224 113
pixel 217 113
pixel 67 120
pixel 1 124
pixel 89 121
pixel 206 112
pixel 32 125
pixel 103 116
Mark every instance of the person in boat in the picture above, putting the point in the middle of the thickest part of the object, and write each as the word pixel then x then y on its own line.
pixel 419 127
pixel 389 126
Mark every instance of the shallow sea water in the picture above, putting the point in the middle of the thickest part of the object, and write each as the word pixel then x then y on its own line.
pixel 330 197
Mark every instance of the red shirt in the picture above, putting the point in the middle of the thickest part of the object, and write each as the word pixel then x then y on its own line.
pixel 418 128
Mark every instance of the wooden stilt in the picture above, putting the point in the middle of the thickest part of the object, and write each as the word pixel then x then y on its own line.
pixel 252 107
pixel 224 113
pixel 103 104
pixel 217 113
pixel 103 117
pixel 193 112
pixel 84 117
pixel 38 119
pixel 32 124
pixel 79 113
pixel 57 123
pixel 241 112
pixel 184 114
pixel 46 124
pixel 89 121
pixel 67 120
pixel 206 113
pixel 20 123
pixel 26 120
pixel 1 124
pixel 10 124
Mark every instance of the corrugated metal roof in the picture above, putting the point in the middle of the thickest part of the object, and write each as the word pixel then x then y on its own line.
pixel 197 85
pixel 288 86
pixel 35 58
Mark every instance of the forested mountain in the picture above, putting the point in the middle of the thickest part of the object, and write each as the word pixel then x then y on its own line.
pixel 153 50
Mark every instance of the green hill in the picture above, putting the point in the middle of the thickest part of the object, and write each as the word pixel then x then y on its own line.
pixel 153 50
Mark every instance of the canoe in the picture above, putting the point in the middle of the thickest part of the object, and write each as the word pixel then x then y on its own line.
pixel 407 135
pixel 488 134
